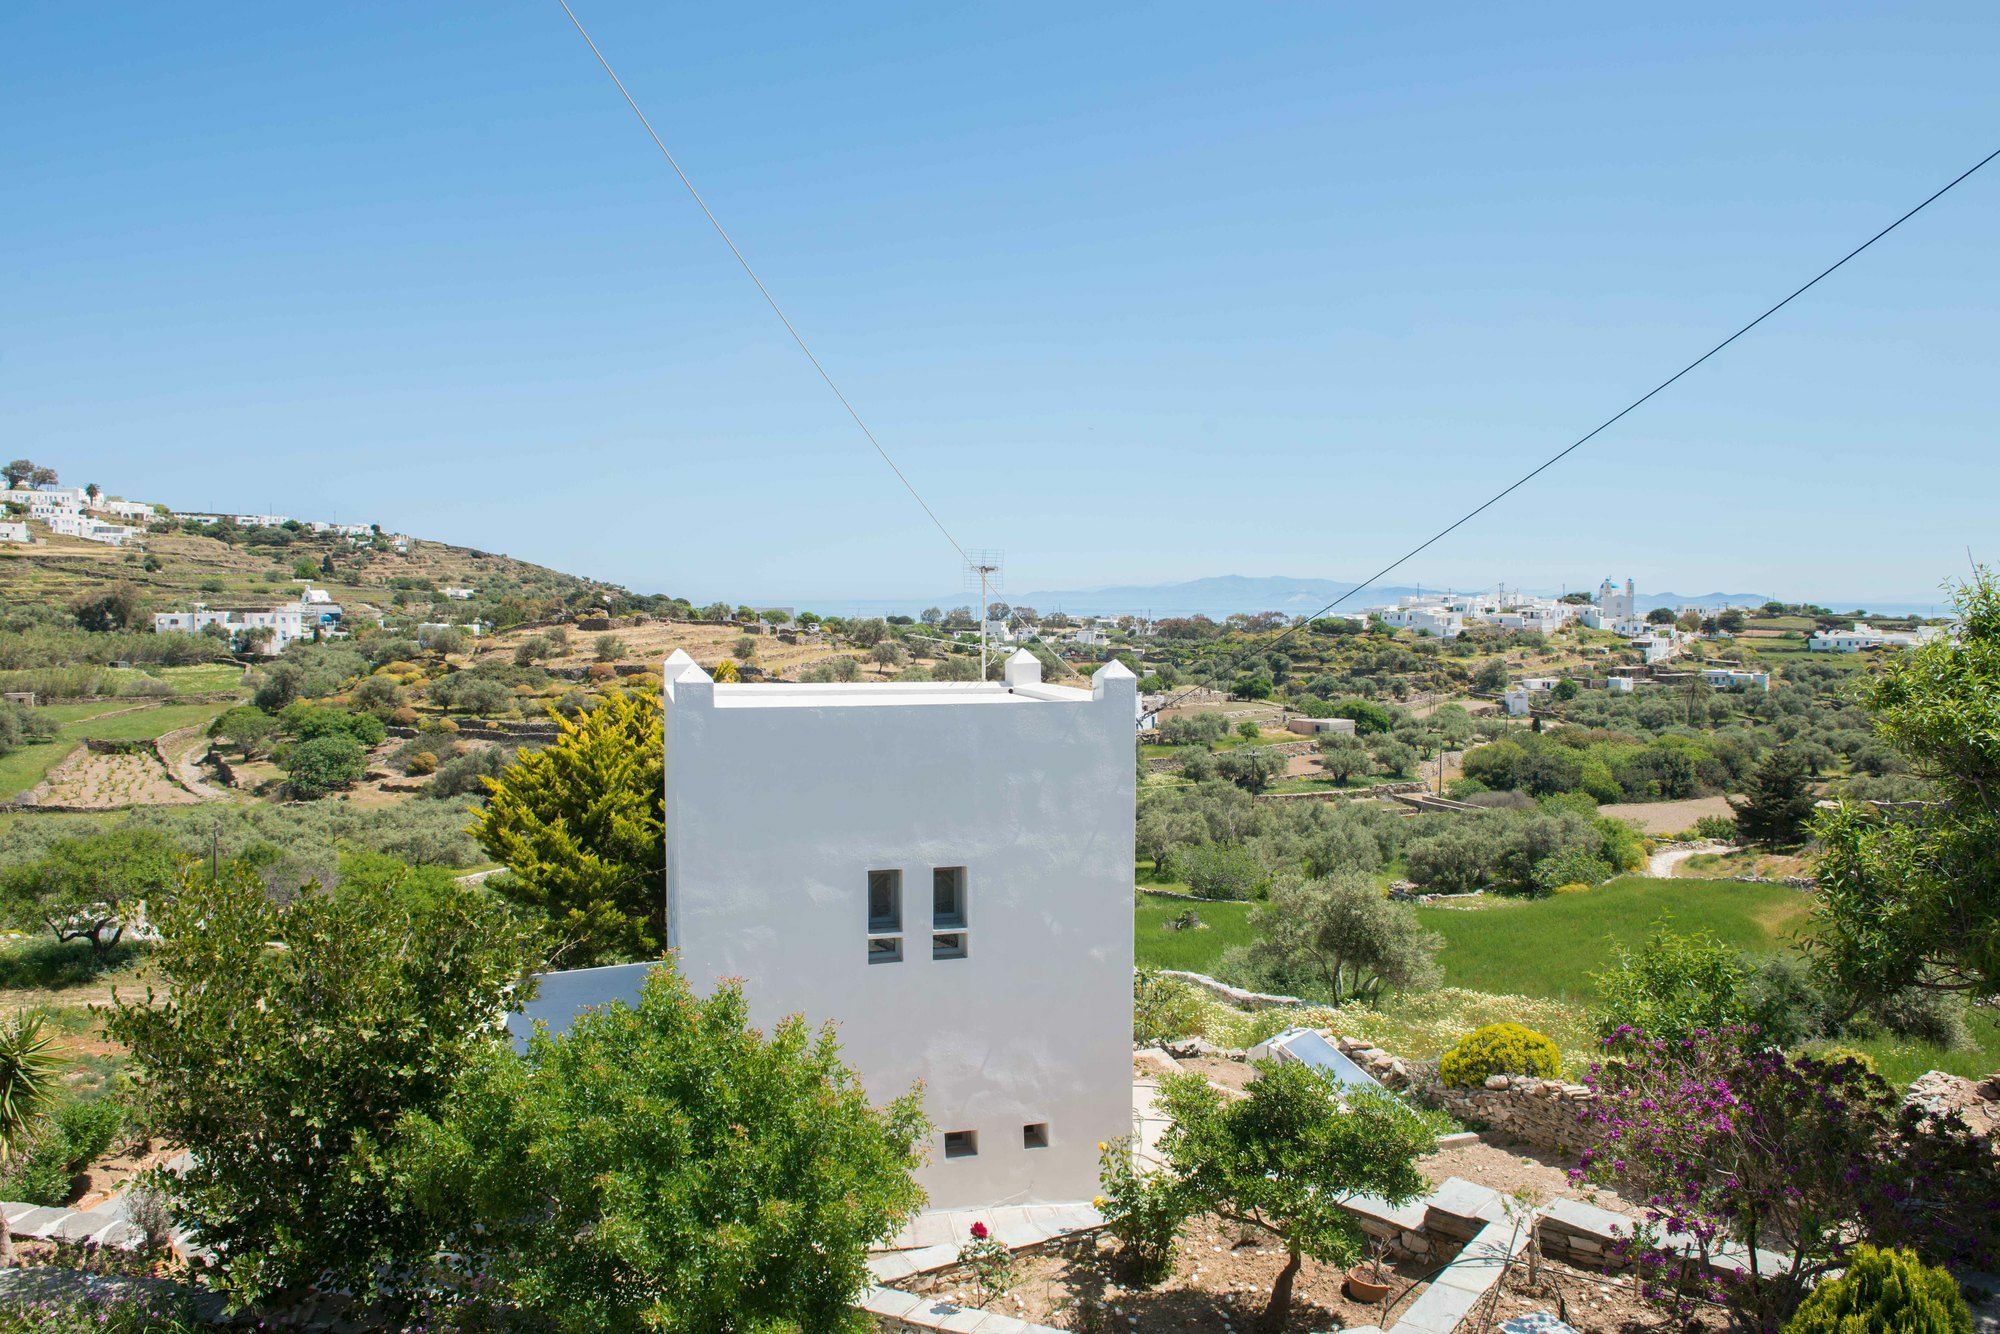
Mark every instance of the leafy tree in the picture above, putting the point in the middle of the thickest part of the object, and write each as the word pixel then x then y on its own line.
pixel 580 825
pixel 26 472
pixel 1912 897
pixel 1286 1156
pixel 118 607
pixel 745 647
pixel 1673 986
pixel 1343 757
pixel 1777 802
pixel 29 1068
pixel 1491 676
pixel 309 722
pixel 91 888
pixel 1340 938
pixel 1252 685
pixel 1565 690
pixel 609 648
pixel 246 725
pixel 291 1040
pixel 1251 770
pixel 1660 616
pixel 1396 758
pixel 931 616
pixel 1217 871
pixel 665 1167
pixel 324 764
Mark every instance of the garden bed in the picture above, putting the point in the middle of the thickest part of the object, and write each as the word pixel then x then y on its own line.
pixel 1221 1280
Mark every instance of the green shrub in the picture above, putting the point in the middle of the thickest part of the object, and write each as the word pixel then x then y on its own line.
pixel 77 1134
pixel 1143 1210
pixel 1719 827
pixel 1499 1049
pixel 1165 1008
pixel 1884 1290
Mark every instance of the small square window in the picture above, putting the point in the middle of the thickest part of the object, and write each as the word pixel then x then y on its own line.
pixel 1035 1136
pixel 885 900
pixel 947 896
pixel 950 945
pixel 885 949
pixel 961 1143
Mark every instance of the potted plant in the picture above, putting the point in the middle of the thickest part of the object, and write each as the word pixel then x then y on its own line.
pixel 1368 1282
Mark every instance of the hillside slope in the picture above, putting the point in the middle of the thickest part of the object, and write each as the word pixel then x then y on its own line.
pixel 173 568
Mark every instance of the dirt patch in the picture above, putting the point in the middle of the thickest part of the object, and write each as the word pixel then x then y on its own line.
pixel 1222 1278
pixel 1668 817
pixel 1592 1302
pixel 93 780
pixel 1221 1071
pixel 1517 1170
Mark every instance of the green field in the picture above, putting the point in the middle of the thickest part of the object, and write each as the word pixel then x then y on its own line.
pixel 1223 925
pixel 1549 947
pixel 208 678
pixel 103 720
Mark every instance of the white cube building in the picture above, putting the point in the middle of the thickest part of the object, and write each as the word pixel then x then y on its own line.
pixel 943 870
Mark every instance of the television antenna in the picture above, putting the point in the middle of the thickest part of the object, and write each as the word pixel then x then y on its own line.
pixel 984 576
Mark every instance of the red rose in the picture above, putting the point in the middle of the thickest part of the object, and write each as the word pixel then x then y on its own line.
pixel 979 1232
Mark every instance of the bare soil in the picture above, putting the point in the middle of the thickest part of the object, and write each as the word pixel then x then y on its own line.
pixel 1668 817
pixel 1531 1174
pixel 107 782
pixel 1591 1302
pixel 1221 1281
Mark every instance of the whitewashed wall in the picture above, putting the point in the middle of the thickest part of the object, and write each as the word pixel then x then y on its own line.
pixel 781 799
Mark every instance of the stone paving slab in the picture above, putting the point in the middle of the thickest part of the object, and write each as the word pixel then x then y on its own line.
pixel 1464 1283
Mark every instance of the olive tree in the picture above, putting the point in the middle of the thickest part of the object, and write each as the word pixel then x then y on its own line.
pixel 1285 1158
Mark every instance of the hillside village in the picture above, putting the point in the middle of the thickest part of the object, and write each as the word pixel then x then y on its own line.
pixel 1454 832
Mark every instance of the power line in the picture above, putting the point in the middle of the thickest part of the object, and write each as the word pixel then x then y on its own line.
pixel 1610 421
pixel 769 300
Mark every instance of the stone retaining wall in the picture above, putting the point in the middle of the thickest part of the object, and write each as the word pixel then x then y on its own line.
pixel 1541 1113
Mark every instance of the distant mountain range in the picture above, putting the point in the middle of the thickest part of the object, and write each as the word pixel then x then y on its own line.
pixel 1228 594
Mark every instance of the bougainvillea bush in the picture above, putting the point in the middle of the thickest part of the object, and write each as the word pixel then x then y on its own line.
pixel 1736 1145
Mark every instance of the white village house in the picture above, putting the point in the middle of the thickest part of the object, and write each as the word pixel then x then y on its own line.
pixel 287 622
pixel 13 531
pixel 942 869
pixel 1866 636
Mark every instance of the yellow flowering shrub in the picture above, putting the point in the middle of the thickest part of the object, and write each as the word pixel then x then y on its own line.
pixel 1499 1049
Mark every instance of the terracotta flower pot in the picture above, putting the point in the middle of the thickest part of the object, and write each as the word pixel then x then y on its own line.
pixel 1363 1288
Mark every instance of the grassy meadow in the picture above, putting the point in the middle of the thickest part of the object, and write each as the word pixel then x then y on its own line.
pixel 1531 960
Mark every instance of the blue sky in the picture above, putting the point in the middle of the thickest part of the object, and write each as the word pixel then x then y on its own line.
pixel 1136 293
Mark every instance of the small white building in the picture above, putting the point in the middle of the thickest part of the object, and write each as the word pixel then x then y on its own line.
pixel 1320 726
pixel 1866 636
pixel 457 594
pixel 125 509
pixel 13 531
pixel 1618 685
pixel 1736 678
pixel 1655 648
pixel 74 524
pixel 944 871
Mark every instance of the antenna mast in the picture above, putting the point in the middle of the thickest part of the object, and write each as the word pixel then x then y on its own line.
pixel 983 576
